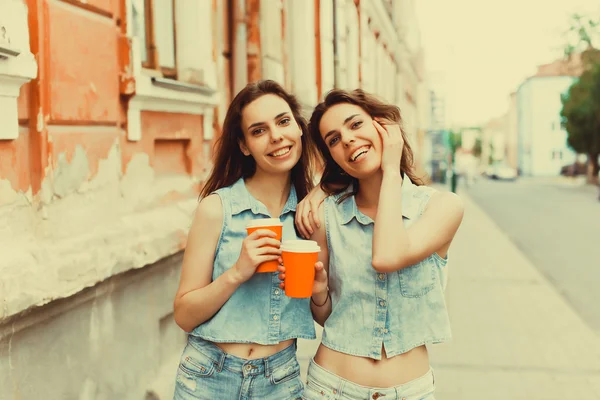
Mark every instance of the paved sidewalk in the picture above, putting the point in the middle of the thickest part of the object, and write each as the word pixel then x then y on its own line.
pixel 514 335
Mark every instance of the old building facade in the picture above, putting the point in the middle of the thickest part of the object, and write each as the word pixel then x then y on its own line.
pixel 108 113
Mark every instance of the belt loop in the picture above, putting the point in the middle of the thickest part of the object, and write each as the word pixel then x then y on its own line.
pixel 221 361
pixel 340 389
pixel 267 367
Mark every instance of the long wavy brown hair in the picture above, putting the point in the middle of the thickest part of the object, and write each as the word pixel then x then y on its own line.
pixel 230 164
pixel 334 180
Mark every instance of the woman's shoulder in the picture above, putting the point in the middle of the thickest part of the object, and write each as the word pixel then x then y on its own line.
pixel 210 208
pixel 445 200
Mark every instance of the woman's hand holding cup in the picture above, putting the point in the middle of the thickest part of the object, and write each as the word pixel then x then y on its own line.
pixel 258 247
pixel 301 273
pixel 320 284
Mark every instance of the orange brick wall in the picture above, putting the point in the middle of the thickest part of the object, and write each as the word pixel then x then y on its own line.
pixel 14 161
pixel 172 141
pixel 76 99
pixel 82 66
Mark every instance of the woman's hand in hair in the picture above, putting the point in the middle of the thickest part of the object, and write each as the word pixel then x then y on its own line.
pixel 393 144
pixel 307 212
pixel 258 247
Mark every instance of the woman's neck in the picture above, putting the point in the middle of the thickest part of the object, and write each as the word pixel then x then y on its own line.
pixel 272 190
pixel 368 191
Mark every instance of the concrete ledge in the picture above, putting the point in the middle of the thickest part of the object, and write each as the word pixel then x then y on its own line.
pixel 36 272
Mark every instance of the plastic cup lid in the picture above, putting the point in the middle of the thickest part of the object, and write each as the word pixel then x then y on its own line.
pixel 300 246
pixel 264 222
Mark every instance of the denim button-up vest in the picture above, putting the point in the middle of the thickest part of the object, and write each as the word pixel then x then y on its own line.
pixel 399 310
pixel 258 311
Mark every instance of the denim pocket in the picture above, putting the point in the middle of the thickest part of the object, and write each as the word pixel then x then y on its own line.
pixel 417 280
pixel 195 363
pixel 314 390
pixel 286 372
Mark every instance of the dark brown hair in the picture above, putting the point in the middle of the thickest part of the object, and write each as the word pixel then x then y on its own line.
pixel 230 164
pixel 334 180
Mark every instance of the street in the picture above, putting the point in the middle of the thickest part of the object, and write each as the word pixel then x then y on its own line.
pixel 514 334
pixel 556 226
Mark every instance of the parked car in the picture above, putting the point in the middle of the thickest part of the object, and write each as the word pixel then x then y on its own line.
pixel 501 171
pixel 575 169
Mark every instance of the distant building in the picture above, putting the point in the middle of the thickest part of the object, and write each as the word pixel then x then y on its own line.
pixel 494 140
pixel 434 143
pixel 512 132
pixel 542 147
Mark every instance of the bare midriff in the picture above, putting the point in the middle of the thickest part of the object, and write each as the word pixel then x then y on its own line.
pixel 384 373
pixel 253 351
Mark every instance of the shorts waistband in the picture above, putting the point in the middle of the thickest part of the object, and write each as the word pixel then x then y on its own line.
pixel 338 387
pixel 260 366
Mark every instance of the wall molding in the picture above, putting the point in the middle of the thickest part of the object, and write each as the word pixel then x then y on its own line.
pixel 17 64
pixel 154 93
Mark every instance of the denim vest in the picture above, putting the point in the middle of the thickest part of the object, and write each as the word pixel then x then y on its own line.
pixel 400 310
pixel 258 311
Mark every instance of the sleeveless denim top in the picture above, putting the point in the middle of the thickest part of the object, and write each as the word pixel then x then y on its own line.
pixel 258 311
pixel 400 310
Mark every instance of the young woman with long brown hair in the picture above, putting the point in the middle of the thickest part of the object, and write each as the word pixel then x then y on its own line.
pixel 242 328
pixel 384 239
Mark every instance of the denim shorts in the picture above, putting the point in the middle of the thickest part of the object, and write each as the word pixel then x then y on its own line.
pixel 207 373
pixel 324 385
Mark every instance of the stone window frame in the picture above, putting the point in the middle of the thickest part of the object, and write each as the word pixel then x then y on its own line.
pixel 150 44
pixel 170 94
pixel 17 64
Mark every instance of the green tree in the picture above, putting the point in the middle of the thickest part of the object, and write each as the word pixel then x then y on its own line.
pixel 581 105
pixel 454 141
pixel 581 112
pixel 583 34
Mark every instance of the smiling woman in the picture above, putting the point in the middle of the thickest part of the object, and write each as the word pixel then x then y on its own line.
pixel 353 110
pixel 236 316
pixel 276 112
pixel 274 135
pixel 385 240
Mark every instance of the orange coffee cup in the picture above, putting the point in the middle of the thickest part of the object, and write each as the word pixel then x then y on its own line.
pixel 299 258
pixel 272 224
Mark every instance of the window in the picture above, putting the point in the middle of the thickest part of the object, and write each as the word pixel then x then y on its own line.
pixel 153 22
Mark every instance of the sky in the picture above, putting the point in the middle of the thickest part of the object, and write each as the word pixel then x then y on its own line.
pixel 479 51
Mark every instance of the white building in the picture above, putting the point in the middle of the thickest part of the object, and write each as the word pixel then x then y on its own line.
pixel 542 149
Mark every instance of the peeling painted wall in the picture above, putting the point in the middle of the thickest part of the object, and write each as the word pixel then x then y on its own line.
pixel 79 202
pixel 84 231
